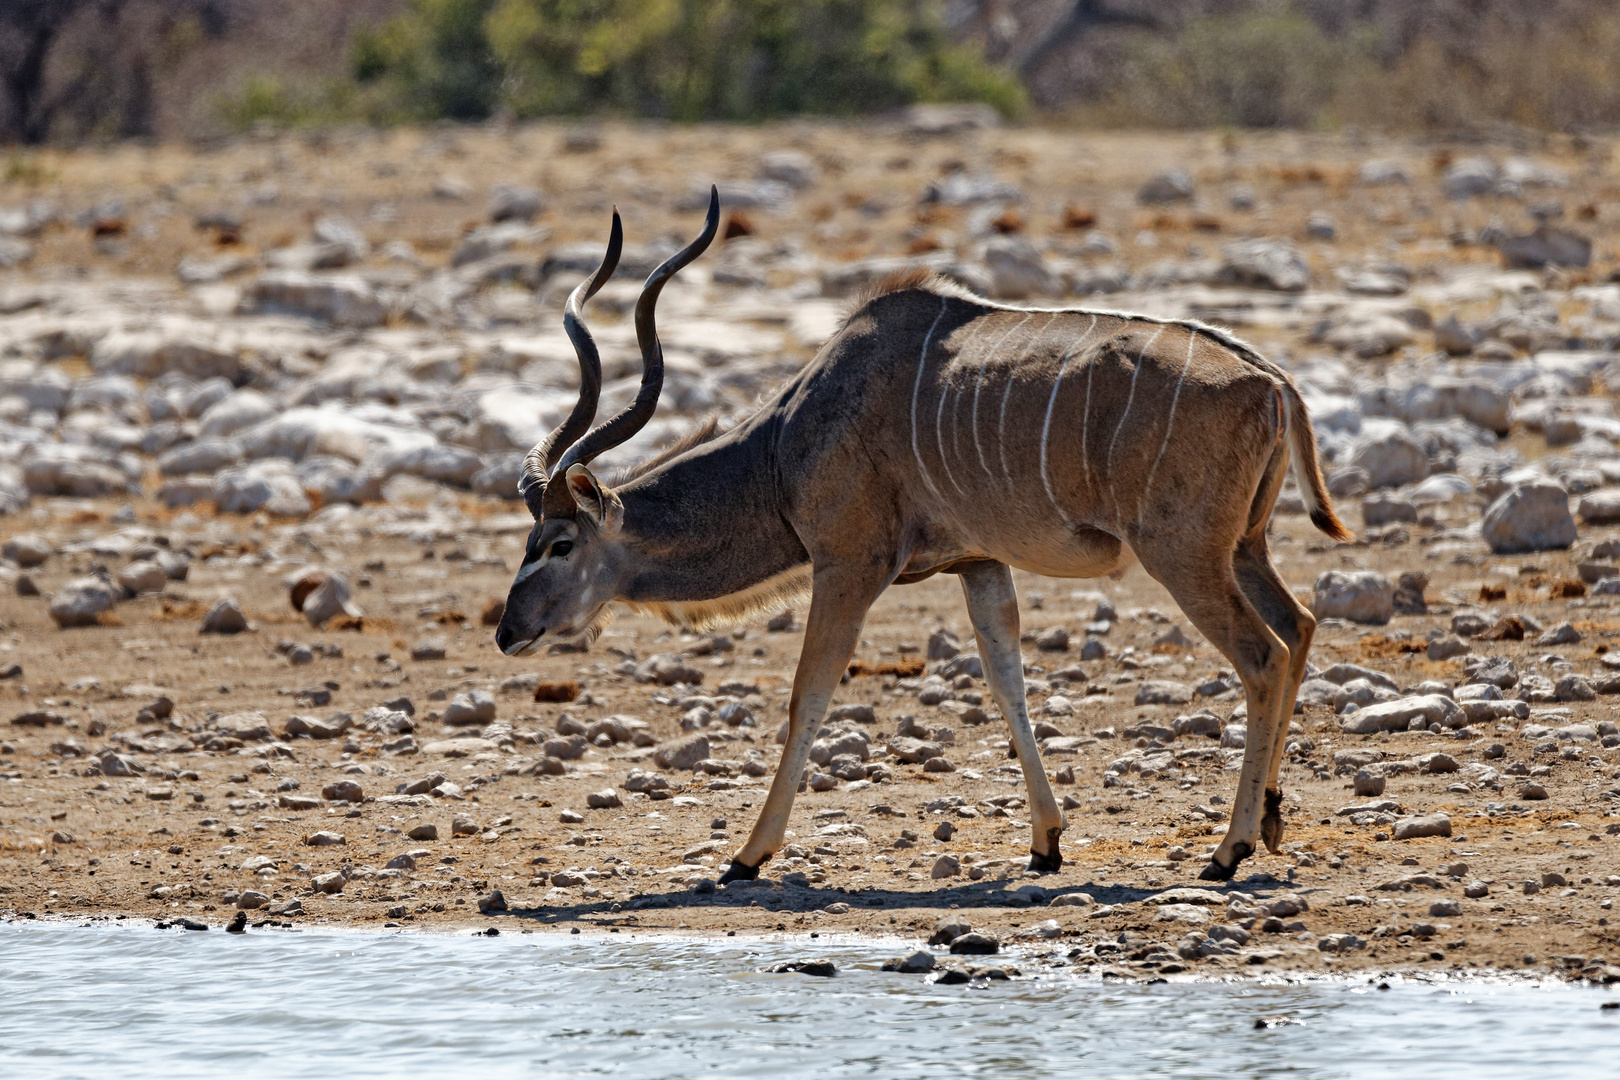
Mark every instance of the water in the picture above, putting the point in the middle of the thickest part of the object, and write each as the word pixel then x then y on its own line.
pixel 135 1002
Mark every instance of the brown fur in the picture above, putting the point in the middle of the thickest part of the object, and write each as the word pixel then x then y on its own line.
pixel 939 431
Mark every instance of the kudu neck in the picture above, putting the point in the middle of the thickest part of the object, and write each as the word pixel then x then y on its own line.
pixel 707 524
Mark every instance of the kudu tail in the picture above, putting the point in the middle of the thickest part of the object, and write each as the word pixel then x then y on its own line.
pixel 1307 466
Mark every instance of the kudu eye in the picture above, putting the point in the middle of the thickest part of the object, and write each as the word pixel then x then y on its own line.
pixel 561 548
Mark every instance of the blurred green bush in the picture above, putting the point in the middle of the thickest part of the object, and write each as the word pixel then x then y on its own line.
pixel 685 60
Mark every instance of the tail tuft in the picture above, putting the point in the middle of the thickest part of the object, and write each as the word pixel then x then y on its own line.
pixel 1308 467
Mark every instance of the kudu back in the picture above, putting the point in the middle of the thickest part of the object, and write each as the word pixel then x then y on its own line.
pixel 938 432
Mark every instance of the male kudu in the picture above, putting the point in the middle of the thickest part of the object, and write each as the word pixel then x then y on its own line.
pixel 938 432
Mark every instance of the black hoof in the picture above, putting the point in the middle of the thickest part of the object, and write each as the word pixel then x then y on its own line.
pixel 739 871
pixel 1050 863
pixel 1045 864
pixel 1216 872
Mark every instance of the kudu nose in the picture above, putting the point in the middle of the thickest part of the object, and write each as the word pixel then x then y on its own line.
pixel 504 638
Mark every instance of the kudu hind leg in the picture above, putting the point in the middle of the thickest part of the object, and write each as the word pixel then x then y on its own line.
pixel 1223 614
pixel 1295 625
pixel 832 628
pixel 992 605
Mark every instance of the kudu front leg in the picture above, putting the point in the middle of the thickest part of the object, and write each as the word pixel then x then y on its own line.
pixel 831 630
pixel 992 604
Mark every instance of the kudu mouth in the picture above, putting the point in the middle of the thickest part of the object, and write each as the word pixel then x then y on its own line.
pixel 518 648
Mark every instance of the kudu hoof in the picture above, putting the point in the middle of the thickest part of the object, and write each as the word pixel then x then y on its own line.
pixel 1050 863
pixel 1045 864
pixel 1216 872
pixel 740 871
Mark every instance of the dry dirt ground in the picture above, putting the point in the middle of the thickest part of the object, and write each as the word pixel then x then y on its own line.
pixel 211 815
pixel 172 840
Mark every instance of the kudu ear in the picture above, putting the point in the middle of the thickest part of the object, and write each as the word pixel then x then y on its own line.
pixel 596 500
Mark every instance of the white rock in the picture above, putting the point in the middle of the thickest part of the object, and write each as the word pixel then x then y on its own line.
pixel 337 480
pixel 791 167
pixel 142 577
pixel 443 464
pixel 334 430
pixel 1601 507
pixel 269 485
pixel 1017 270
pixel 1362 596
pixel 1398 715
pixel 1390 455
pixel 27 550
pixel 241 410
pixel 149 354
pixel 1371 334
pixel 58 469
pixel 13 490
pixel 82 600
pixel 1532 516
pixel 340 299
pixel 329 598
pixel 201 456
pixel 1265 263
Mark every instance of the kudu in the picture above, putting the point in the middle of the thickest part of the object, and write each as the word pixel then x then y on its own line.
pixel 939 432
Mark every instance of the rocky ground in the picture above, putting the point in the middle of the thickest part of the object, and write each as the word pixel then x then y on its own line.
pixel 261 408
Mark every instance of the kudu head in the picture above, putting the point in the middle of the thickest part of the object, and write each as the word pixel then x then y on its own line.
pixel 574 554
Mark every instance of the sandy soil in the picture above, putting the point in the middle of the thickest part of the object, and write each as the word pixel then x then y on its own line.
pixel 172 840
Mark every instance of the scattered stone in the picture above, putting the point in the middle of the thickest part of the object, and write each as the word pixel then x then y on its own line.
pixel 974 944
pixel 329 883
pixel 82 602
pixel 1530 517
pixel 1400 714
pixel 1173 185
pixel 225 617
pixel 1163 692
pixel 429 649
pixel 1362 596
pixel 329 598
pixel 682 753
pixel 26 550
pixel 947 928
pixel 1428 825
pixel 916 963
pixel 474 707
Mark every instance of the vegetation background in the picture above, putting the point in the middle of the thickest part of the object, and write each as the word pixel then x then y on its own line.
pixel 77 70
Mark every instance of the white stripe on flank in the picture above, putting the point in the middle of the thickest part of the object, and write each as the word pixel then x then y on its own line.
pixel 978 444
pixel 1170 418
pixel 939 414
pixel 956 424
pixel 1085 431
pixel 1001 425
pixel 1129 398
pixel 1046 425
pixel 915 388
